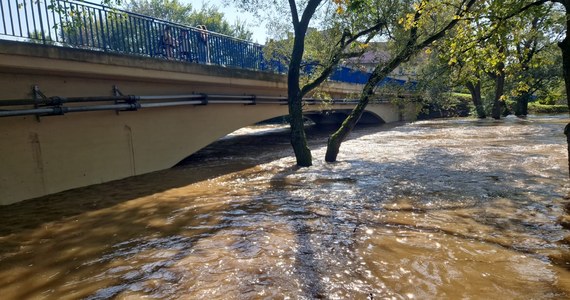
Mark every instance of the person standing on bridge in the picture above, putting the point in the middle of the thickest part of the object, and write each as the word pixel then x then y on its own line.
pixel 168 43
pixel 204 40
pixel 184 43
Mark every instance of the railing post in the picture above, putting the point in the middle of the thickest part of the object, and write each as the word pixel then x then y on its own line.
pixel 41 22
pixel 150 42
pixel 103 36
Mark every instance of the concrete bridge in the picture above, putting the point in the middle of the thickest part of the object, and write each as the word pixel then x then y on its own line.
pixel 91 133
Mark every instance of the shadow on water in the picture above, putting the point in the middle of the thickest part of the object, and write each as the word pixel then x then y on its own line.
pixel 215 160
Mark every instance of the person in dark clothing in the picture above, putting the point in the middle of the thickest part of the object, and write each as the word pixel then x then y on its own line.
pixel 168 43
pixel 185 46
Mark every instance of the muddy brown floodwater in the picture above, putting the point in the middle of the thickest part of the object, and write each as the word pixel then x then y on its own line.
pixel 445 209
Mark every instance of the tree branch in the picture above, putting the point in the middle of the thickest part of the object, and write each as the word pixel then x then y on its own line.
pixel 338 54
pixel 450 25
pixel 529 6
pixel 308 13
pixel 294 13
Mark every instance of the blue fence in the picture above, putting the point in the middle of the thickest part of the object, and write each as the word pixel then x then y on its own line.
pixel 80 24
pixel 349 75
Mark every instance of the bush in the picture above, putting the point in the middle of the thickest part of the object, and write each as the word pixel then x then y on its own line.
pixel 537 108
pixel 452 106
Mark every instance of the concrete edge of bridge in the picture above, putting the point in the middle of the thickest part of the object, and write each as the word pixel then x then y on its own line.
pixel 39 51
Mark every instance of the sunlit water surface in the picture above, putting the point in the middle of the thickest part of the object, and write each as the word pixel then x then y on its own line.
pixel 453 209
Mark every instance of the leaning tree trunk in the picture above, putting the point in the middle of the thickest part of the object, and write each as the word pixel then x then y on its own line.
pixel 336 139
pixel 379 73
pixel 475 90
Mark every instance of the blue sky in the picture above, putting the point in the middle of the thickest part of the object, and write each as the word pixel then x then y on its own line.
pixel 232 14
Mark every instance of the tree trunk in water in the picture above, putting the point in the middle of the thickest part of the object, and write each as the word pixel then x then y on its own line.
pixel 298 137
pixel 336 139
pixel 565 48
pixel 521 107
pixel 475 90
pixel 567 133
pixel 499 90
pixel 295 98
pixel 506 109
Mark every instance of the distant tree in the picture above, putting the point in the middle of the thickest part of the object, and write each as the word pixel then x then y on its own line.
pixel 503 47
pixel 540 82
pixel 462 54
pixel 169 10
pixel 176 12
pixel 76 29
pixel 213 19
pixel 434 84
pixel 534 55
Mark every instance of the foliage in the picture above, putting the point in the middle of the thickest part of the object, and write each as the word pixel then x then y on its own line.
pixel 326 29
pixel 114 30
pixel 180 13
pixel 553 94
pixel 501 42
pixel 537 108
pixel 450 107
pixel 419 24
pixel 213 19
pixel 541 77
pixel 168 10
pixel 37 37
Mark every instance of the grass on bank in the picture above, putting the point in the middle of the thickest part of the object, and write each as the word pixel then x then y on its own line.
pixel 537 108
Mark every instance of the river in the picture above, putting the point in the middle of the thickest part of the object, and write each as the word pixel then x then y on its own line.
pixel 441 209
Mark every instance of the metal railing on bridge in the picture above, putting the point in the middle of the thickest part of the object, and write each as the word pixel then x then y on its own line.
pixel 85 25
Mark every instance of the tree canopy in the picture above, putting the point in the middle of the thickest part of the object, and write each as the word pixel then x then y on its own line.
pixel 181 13
pixel 503 49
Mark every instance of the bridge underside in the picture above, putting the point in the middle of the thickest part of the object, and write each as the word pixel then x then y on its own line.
pixel 337 116
pixel 40 156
